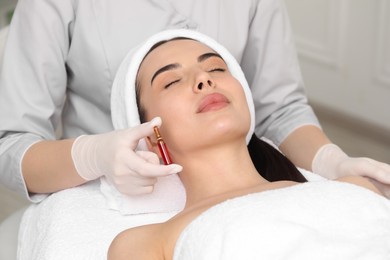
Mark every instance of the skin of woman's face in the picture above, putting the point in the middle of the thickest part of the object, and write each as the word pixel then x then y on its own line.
pixel 190 87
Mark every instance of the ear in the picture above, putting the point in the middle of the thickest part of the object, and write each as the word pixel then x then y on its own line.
pixel 153 147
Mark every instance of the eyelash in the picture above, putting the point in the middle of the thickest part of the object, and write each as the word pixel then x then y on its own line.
pixel 171 83
pixel 212 70
pixel 218 69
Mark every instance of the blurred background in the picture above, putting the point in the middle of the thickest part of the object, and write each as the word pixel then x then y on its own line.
pixel 344 52
pixel 6 10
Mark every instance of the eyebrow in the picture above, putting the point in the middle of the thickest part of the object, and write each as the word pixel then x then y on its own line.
pixel 209 55
pixel 163 69
pixel 172 66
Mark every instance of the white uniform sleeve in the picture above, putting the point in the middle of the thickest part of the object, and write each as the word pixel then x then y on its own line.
pixel 271 67
pixel 32 82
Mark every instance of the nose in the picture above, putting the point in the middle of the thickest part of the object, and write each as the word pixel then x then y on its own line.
pixel 201 85
pixel 203 82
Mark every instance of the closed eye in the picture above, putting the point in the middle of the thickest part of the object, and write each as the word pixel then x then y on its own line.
pixel 217 70
pixel 171 83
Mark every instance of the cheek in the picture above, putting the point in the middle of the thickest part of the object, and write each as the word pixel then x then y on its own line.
pixel 246 117
pixel 176 113
pixel 172 107
pixel 238 93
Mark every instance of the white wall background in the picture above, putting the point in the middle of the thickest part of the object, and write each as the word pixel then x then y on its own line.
pixel 344 51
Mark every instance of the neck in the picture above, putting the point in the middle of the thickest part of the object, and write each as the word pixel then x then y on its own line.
pixel 217 170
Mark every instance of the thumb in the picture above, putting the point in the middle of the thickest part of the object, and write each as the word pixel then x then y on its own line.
pixel 141 131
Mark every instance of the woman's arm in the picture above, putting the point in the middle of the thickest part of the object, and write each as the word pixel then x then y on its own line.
pixel 48 167
pixel 302 145
pixel 33 83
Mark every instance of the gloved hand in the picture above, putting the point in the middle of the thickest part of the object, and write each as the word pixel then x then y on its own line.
pixel 332 163
pixel 113 155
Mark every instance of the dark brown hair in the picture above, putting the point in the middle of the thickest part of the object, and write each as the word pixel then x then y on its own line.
pixel 272 164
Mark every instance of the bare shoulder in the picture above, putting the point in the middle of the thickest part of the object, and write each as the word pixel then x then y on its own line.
pixel 361 181
pixel 142 242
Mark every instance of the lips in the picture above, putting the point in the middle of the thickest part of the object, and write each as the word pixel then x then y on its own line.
pixel 211 102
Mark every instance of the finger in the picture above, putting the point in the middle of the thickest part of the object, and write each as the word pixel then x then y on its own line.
pixel 130 185
pixel 149 156
pixel 374 169
pixel 143 130
pixel 152 170
pixel 156 121
pixel 147 169
pixel 381 172
pixel 383 188
pixel 139 181
pixel 138 190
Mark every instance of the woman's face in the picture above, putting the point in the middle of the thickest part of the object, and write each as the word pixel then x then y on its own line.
pixel 189 86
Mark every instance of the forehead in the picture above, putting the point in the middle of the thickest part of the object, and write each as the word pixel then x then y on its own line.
pixel 173 51
pixel 180 46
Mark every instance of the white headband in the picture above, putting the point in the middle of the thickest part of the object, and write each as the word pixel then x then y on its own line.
pixel 124 110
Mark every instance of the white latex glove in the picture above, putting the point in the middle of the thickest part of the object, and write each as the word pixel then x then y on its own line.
pixel 113 155
pixel 332 163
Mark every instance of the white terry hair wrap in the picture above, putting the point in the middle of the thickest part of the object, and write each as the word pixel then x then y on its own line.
pixel 124 110
pixel 168 194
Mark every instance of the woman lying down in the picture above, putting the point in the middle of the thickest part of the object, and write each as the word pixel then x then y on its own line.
pixel 235 208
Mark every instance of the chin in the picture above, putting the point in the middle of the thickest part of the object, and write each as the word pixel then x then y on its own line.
pixel 236 122
pixel 208 131
pixel 228 129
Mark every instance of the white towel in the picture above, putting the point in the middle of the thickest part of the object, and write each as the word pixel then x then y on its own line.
pixel 75 224
pixel 315 220
pixel 169 193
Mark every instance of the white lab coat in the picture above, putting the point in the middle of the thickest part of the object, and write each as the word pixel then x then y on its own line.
pixel 61 57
